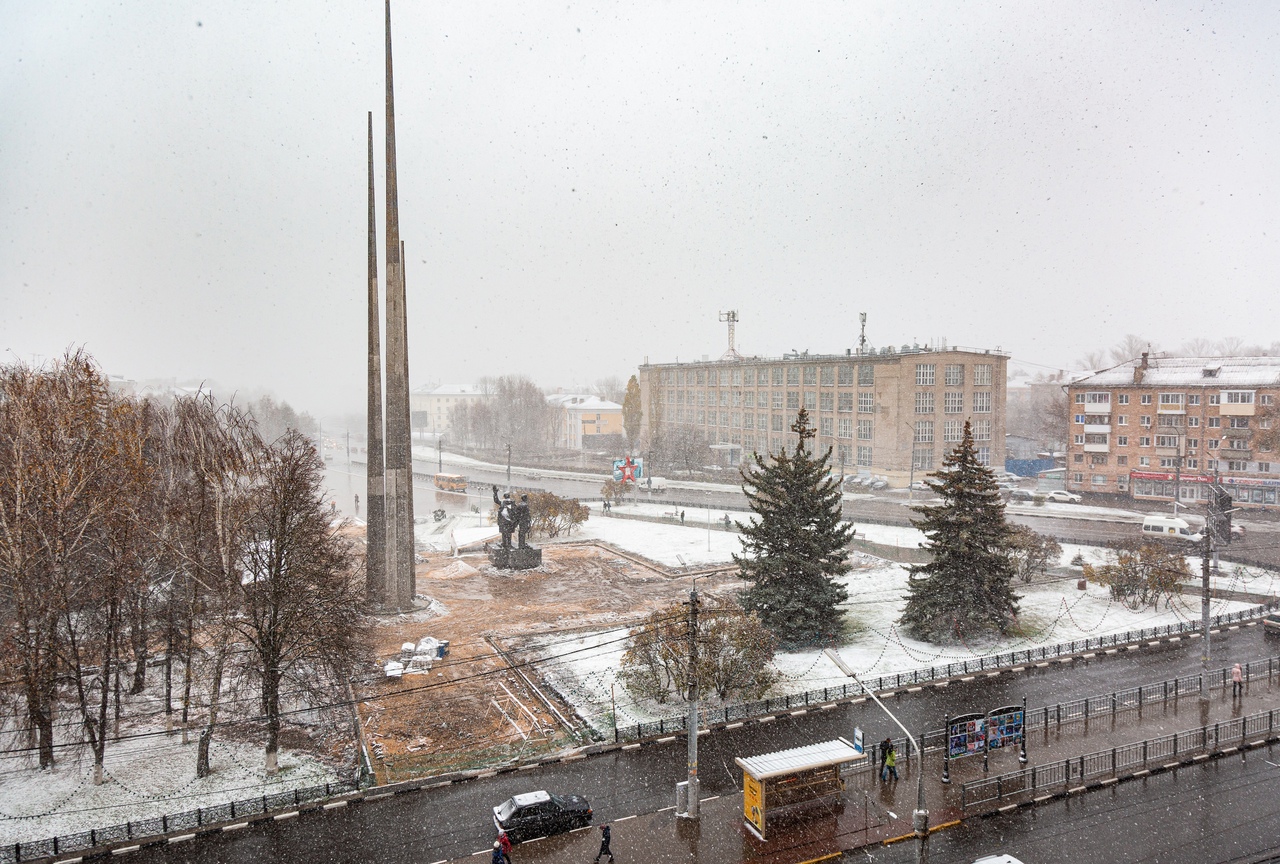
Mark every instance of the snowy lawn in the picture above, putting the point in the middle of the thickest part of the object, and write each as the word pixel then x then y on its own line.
pixel 146 777
pixel 1050 612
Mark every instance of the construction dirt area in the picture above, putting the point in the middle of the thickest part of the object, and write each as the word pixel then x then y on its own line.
pixel 483 704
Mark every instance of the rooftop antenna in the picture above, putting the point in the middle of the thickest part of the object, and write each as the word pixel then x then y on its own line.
pixel 731 318
pixel 862 337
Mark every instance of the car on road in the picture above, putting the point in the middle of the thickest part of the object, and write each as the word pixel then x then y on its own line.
pixel 919 486
pixel 1271 623
pixel 1024 495
pixel 540 814
pixel 1062 496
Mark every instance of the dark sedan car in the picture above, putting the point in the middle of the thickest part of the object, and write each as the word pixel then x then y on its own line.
pixel 540 814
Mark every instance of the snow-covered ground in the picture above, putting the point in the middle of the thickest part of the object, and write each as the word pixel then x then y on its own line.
pixel 146 777
pixel 1050 612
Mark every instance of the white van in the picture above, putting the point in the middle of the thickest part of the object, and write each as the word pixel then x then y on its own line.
pixel 1171 527
pixel 656 484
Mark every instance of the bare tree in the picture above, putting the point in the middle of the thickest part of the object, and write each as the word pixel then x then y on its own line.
pixel 1230 346
pixel 611 388
pixel 1091 360
pixel 1131 347
pixel 55 464
pixel 300 600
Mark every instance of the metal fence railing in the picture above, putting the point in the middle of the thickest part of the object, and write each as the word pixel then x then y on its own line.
pixel 188 820
pixel 1127 757
pixel 793 701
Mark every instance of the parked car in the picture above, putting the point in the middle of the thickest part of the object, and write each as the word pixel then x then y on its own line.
pixel 879 484
pixel 540 814
pixel 1062 496
pixel 1001 858
pixel 920 486
pixel 1023 495
pixel 1005 486
pixel 1271 623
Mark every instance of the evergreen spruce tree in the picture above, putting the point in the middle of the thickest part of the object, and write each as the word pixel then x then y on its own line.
pixel 795 550
pixel 966 590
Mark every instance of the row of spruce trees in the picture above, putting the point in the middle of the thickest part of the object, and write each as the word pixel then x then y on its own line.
pixel 797 548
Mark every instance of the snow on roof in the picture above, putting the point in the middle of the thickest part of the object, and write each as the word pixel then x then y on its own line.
pixel 448 390
pixel 820 755
pixel 531 798
pixel 1192 372
pixel 583 402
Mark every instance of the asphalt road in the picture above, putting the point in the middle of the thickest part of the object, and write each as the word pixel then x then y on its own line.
pixel 1220 811
pixel 454 821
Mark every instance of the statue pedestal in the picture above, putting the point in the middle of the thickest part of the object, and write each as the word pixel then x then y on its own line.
pixel 515 558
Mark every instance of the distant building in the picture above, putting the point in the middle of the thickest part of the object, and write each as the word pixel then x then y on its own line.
pixel 892 413
pixel 1158 427
pixel 429 406
pixel 584 420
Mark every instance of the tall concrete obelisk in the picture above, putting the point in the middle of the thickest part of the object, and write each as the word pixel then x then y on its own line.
pixel 375 566
pixel 399 473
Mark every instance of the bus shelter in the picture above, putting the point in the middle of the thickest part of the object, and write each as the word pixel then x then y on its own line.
pixel 787 778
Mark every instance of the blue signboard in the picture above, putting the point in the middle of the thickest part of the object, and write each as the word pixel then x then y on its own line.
pixel 1004 727
pixel 966 736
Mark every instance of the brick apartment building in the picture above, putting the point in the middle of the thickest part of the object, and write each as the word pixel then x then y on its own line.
pixel 891 414
pixel 1152 426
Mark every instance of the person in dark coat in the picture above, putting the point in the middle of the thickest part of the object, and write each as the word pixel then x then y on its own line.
pixel 885 746
pixel 498 857
pixel 604 844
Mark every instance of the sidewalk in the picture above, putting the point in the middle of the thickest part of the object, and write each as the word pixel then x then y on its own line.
pixel 872 812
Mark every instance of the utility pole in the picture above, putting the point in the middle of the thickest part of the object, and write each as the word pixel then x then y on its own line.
pixel 440 456
pixel 1210 530
pixel 691 725
pixel 508 467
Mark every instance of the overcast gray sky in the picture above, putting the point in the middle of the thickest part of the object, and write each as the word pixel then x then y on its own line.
pixel 182 184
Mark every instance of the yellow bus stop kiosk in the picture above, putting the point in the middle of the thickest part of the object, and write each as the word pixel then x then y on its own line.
pixel 789 777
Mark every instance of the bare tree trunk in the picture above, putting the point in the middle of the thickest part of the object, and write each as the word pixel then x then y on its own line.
pixel 168 681
pixel 203 768
pixel 271 695
pixel 138 631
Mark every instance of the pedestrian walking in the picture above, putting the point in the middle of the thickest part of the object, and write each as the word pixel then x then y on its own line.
pixel 504 842
pixel 681 517
pixel 1237 681
pixel 885 746
pixel 498 857
pixel 604 843
pixel 890 766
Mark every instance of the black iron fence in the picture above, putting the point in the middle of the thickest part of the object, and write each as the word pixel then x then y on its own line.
pixel 189 820
pixel 799 701
pixel 1162 752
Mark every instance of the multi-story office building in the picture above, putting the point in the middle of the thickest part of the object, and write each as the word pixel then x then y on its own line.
pixel 1160 426
pixel 891 414
pixel 430 406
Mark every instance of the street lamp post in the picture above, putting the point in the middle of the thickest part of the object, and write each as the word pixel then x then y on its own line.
pixel 920 817
pixel 508 467
pixel 440 454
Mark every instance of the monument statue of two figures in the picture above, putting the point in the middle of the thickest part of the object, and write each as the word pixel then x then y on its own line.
pixel 513 517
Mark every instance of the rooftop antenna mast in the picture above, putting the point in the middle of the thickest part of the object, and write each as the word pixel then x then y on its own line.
pixel 731 318
pixel 862 337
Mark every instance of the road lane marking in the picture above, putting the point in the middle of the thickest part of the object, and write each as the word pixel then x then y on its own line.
pixel 182 838
pixel 334 805
pixel 734 726
pixel 625 818
pixel 712 798
pixel 235 827
pixel 766 719
pixel 280 817
pixel 125 849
